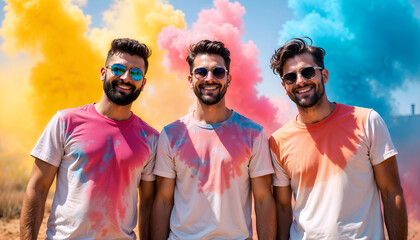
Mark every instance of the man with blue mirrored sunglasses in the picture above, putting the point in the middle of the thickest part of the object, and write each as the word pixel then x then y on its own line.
pixel 102 155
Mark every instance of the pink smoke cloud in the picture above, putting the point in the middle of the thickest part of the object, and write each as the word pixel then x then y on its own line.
pixel 411 182
pixel 224 23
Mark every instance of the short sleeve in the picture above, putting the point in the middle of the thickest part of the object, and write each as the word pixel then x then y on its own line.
pixel 381 146
pixel 280 177
pixel 50 146
pixel 147 174
pixel 164 165
pixel 260 162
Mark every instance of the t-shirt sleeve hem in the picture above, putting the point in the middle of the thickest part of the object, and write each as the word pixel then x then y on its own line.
pixel 278 183
pixel 149 178
pixel 164 174
pixel 387 155
pixel 262 173
pixel 44 158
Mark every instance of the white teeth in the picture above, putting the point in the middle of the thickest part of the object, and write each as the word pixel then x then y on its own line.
pixel 209 88
pixel 124 87
pixel 304 90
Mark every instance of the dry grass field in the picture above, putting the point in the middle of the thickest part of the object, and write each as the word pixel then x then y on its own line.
pixel 12 184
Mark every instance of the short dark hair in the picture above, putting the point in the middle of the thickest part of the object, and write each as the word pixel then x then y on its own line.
pixel 208 47
pixel 293 47
pixel 132 47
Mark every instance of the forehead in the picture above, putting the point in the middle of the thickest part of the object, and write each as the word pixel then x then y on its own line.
pixel 209 60
pixel 298 61
pixel 128 60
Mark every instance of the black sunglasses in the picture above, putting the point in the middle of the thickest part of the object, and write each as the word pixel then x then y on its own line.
pixel 201 73
pixel 307 73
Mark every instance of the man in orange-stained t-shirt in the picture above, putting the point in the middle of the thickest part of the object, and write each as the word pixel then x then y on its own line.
pixel 333 158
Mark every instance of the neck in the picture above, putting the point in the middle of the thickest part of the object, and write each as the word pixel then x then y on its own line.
pixel 316 113
pixel 211 114
pixel 111 110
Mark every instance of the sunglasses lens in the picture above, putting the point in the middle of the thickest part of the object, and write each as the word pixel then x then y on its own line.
pixel 289 78
pixel 200 73
pixel 219 72
pixel 118 69
pixel 308 72
pixel 136 74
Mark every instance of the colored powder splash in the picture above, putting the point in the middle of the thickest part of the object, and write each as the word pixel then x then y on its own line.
pixel 367 63
pixel 224 23
pixel 164 98
pixel 52 61
pixel 363 45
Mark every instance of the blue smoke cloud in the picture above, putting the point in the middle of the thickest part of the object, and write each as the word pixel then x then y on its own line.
pixel 372 46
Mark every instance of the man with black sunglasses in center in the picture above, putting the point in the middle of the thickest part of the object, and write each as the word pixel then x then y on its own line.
pixel 103 157
pixel 333 158
pixel 209 162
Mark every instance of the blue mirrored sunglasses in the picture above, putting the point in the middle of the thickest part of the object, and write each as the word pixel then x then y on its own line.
pixel 119 69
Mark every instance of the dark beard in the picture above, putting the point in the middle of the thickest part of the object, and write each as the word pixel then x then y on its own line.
pixel 210 100
pixel 119 98
pixel 314 99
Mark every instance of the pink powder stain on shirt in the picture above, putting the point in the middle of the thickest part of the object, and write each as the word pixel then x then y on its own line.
pixel 108 168
pixel 109 181
pixel 215 157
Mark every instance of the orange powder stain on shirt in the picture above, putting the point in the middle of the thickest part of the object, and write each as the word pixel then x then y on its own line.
pixel 314 153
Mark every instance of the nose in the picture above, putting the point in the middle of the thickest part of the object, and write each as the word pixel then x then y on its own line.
pixel 126 75
pixel 300 80
pixel 209 76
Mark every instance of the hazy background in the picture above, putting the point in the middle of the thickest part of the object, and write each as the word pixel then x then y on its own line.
pixel 52 51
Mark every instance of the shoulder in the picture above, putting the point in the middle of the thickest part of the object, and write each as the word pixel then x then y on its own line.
pixel 245 122
pixel 358 112
pixel 179 125
pixel 76 111
pixel 146 128
pixel 283 131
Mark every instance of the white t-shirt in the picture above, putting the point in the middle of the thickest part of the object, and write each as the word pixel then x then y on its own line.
pixel 329 167
pixel 100 164
pixel 212 165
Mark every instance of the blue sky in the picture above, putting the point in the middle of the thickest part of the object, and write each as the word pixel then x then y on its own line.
pixel 268 21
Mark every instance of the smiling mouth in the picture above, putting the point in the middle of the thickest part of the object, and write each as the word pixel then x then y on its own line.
pixel 304 90
pixel 123 86
pixel 210 88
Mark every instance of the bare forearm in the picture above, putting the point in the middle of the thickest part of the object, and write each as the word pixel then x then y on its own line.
pixel 266 219
pixel 284 221
pixel 32 214
pixel 283 198
pixel 395 214
pixel 161 213
pixel 146 196
pixel 144 221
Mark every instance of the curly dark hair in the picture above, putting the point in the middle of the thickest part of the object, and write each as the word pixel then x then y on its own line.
pixel 208 47
pixel 132 47
pixel 293 47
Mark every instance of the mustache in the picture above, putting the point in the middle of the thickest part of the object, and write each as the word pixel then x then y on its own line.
pixel 306 85
pixel 210 84
pixel 120 81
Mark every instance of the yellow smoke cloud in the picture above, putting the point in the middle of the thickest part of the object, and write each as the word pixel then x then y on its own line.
pixel 164 99
pixel 67 74
pixel 54 60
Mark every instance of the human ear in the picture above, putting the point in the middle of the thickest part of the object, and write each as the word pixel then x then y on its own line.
pixel 103 73
pixel 190 81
